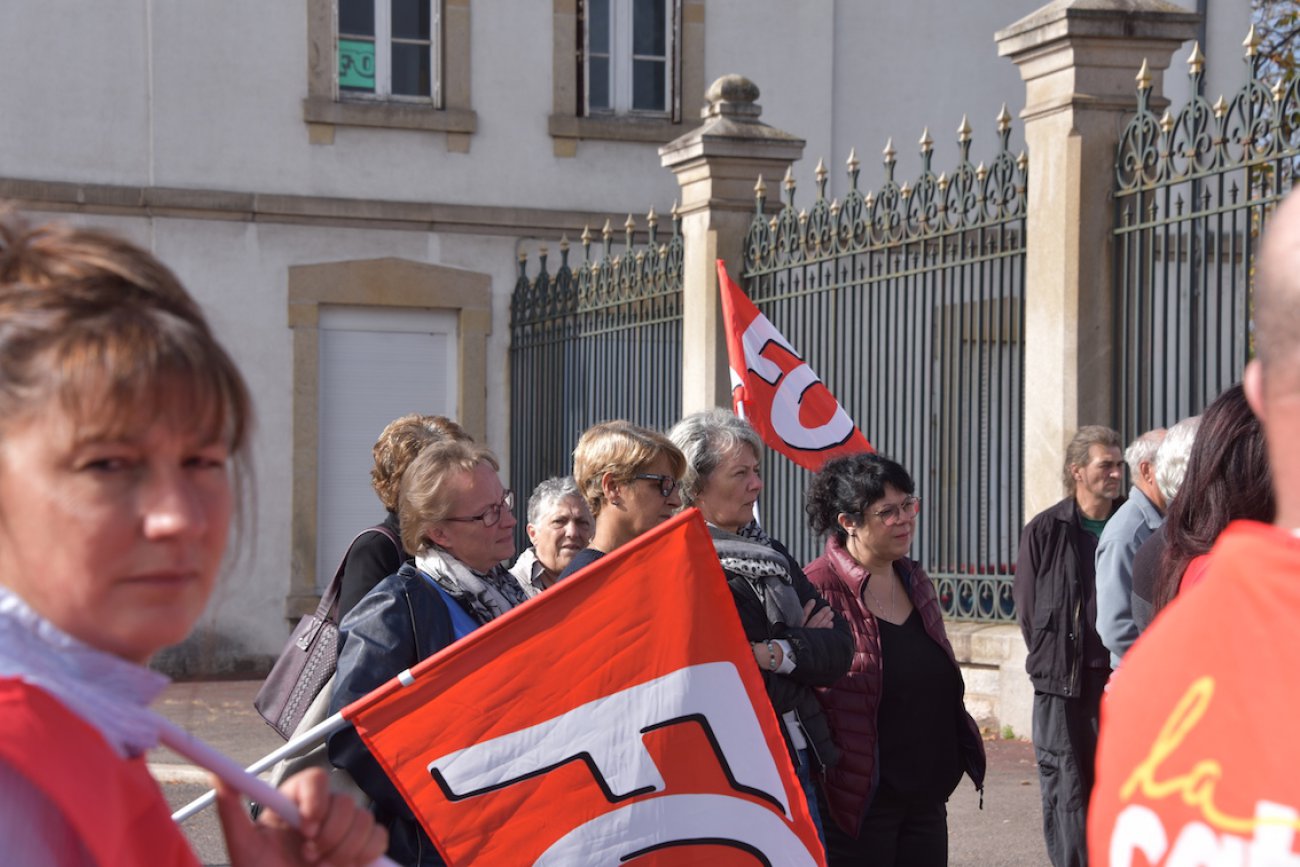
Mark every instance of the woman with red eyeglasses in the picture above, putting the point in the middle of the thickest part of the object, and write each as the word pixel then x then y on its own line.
pixel 898 717
pixel 628 476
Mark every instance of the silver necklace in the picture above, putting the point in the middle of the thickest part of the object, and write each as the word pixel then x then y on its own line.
pixel 887 613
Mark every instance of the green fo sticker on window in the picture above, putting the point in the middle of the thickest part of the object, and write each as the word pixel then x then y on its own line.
pixel 356 64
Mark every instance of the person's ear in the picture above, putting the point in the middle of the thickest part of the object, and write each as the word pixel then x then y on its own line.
pixel 847 522
pixel 532 533
pixel 611 488
pixel 436 534
pixel 1252 383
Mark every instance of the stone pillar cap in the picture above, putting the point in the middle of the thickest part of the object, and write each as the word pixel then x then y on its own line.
pixel 1149 19
pixel 731 128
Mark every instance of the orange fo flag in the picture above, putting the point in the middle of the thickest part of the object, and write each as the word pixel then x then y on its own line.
pixel 777 392
pixel 618 716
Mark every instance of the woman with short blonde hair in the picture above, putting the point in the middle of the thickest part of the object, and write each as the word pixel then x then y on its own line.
pixel 458 521
pixel 628 475
pixel 379 551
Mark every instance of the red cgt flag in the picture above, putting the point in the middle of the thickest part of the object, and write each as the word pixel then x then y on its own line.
pixel 618 716
pixel 777 391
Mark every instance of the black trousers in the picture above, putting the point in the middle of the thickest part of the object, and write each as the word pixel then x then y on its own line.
pixel 896 832
pixel 1065 745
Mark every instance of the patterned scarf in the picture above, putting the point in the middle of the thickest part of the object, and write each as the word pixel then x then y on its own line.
pixel 765 570
pixel 487 595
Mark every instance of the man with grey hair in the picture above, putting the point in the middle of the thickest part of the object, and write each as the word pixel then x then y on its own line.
pixel 559 526
pixel 1171 467
pixel 1131 525
pixel 1056 605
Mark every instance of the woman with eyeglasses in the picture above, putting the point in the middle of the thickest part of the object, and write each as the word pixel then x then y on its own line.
pixel 628 476
pixel 457 518
pixel 797 640
pixel 898 716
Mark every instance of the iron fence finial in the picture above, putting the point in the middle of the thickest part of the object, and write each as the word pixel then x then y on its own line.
pixel 820 173
pixel 963 130
pixel 1143 77
pixel 1196 62
pixel 889 151
pixel 1251 43
pixel 926 142
pixel 1166 122
pixel 1004 119
pixel 1278 90
pixel 1220 107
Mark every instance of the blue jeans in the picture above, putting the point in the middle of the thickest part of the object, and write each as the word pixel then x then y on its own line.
pixel 810 794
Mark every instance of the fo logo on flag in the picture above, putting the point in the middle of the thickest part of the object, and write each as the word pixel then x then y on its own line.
pixel 777 392
pixel 618 716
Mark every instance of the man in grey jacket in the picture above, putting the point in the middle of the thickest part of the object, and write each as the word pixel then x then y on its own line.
pixel 1136 520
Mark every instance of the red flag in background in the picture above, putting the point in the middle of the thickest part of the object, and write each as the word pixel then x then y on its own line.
pixel 777 392
pixel 618 715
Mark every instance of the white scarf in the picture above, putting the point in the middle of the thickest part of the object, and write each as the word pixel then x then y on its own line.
pixel 108 692
pixel 488 595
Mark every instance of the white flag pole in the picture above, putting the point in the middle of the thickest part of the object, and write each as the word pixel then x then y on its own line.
pixel 245 782
pixel 301 744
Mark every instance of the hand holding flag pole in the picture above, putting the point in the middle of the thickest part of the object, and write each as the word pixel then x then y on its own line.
pixel 246 782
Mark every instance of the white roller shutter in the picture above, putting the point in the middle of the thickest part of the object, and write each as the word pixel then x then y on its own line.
pixel 375 364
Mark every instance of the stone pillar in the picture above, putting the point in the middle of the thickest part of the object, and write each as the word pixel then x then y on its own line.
pixel 1078 59
pixel 717 165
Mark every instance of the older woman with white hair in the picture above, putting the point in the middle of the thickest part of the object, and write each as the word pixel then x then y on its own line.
pixel 559 526
pixel 798 641
pixel 1171 467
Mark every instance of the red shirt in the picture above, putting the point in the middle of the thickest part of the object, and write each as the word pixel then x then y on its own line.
pixel 112 803
pixel 1199 753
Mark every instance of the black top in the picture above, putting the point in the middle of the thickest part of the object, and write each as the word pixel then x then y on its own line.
pixel 371 559
pixel 585 557
pixel 919 707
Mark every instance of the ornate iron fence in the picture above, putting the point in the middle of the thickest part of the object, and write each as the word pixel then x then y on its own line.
pixel 909 303
pixel 600 342
pixel 1193 190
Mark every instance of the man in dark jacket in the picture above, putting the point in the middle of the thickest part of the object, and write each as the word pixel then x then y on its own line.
pixel 1056 603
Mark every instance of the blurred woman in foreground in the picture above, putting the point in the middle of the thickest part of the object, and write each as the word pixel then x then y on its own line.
pixel 120 419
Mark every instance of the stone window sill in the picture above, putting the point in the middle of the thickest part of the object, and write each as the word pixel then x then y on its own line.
pixel 390 115
pixel 654 130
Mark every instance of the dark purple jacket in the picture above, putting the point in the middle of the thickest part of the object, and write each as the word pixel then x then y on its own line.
pixel 852 702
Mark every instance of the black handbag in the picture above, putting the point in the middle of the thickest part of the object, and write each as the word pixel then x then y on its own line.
pixel 309 658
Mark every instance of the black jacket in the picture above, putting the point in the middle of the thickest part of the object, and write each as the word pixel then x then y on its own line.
pixel 371 559
pixel 822 656
pixel 396 625
pixel 1055 593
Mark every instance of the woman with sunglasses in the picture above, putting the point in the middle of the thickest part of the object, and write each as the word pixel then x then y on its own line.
pixel 898 716
pixel 456 516
pixel 797 640
pixel 628 476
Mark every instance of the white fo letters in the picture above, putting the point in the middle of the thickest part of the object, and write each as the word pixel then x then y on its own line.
pixel 606 734
pixel 790 390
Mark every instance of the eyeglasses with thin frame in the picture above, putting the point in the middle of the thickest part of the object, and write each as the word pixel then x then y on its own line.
pixel 667 484
pixel 491 516
pixel 891 515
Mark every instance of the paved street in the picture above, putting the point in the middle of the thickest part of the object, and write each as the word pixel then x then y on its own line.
pixel 1005 833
